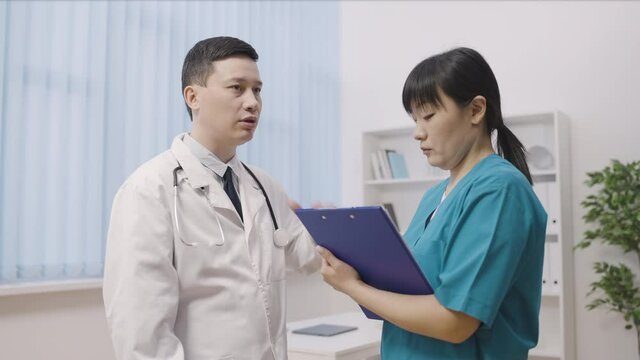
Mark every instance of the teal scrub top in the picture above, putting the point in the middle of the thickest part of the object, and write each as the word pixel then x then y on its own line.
pixel 482 252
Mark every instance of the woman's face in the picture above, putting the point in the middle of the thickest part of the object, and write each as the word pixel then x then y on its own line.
pixel 446 133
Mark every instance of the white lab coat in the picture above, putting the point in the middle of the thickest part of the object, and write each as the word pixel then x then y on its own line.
pixel 166 300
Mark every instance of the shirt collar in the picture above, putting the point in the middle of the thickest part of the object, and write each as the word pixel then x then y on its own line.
pixel 209 159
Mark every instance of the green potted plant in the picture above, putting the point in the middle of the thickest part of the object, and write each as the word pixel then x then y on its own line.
pixel 614 213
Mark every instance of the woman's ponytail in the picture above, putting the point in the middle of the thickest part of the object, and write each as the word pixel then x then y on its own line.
pixel 510 148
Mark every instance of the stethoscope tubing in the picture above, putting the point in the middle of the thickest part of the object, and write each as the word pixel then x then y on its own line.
pixel 278 235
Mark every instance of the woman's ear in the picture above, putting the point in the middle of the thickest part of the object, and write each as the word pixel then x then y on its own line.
pixel 191 97
pixel 478 108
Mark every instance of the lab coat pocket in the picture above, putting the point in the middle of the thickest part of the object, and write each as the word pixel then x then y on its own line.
pixel 279 266
pixel 276 313
pixel 276 256
pixel 428 255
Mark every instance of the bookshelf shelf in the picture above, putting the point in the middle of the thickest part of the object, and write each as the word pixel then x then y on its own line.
pixel 425 180
pixel 543 173
pixel 544 355
pixel 550 295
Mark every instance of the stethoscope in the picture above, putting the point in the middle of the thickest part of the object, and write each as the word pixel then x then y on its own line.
pixel 280 236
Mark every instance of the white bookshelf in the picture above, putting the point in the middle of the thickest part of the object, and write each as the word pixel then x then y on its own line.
pixel 550 171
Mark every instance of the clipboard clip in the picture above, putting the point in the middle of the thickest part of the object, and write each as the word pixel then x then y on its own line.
pixel 351 216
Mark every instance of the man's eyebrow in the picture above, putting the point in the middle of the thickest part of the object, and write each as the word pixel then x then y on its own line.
pixel 242 80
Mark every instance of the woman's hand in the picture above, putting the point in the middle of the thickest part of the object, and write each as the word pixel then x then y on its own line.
pixel 337 273
pixel 420 314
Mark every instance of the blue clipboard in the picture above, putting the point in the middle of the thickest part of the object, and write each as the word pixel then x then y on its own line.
pixel 365 238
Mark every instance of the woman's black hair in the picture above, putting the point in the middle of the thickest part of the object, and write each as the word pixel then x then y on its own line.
pixel 463 74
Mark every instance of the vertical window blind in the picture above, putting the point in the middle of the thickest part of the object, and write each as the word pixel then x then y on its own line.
pixel 90 90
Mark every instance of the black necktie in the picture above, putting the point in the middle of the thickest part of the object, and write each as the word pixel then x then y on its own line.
pixel 227 181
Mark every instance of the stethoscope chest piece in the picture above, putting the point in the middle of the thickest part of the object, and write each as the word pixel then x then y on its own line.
pixel 281 238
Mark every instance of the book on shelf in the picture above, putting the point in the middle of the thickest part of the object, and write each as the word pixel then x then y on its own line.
pixel 380 167
pixel 555 267
pixel 398 165
pixel 375 166
pixel 388 207
pixel 384 163
pixel 549 198
pixel 546 284
pixel 388 164
pixel 552 268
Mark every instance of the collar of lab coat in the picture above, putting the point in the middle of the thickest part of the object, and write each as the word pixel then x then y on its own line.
pixel 210 160
pixel 198 175
pixel 251 197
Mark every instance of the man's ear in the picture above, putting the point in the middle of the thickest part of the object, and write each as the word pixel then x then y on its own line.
pixel 190 94
pixel 478 107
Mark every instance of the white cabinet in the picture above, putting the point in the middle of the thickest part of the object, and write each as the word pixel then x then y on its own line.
pixel 360 344
pixel 546 138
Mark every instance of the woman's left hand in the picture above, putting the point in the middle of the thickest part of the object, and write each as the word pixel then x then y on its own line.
pixel 337 273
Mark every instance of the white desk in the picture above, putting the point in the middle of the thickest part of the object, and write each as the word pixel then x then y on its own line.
pixel 353 345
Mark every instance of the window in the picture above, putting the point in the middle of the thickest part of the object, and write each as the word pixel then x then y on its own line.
pixel 90 90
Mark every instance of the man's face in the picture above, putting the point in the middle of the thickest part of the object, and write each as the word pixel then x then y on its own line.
pixel 228 107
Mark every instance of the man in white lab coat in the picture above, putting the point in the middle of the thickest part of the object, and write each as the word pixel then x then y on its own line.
pixel 200 273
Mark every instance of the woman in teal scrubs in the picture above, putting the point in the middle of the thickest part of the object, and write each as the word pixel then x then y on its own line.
pixel 478 236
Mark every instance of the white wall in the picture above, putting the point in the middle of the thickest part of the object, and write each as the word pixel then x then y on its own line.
pixel 66 325
pixel 581 58
pixel 309 296
pixel 71 325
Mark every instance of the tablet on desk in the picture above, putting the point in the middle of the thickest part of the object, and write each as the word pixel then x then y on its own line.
pixel 324 330
pixel 366 239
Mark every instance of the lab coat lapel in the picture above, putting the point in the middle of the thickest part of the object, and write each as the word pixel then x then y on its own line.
pixel 198 176
pixel 252 201
pixel 219 198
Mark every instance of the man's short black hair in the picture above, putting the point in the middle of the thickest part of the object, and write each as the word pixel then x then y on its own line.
pixel 198 64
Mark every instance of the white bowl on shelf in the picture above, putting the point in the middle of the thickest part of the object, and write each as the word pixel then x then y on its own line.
pixel 540 157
